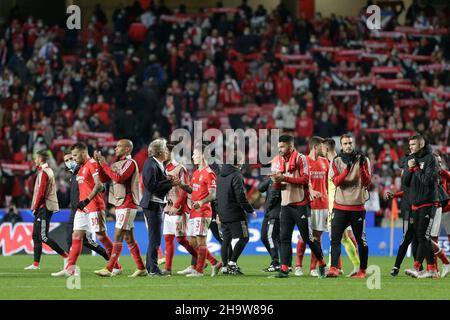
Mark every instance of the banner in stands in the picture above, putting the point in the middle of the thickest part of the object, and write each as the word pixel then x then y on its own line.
pixel 15 239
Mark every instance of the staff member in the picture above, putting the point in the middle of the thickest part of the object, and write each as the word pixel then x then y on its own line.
pixel 156 186
pixel 270 227
pixel 43 206
pixel 233 209
pixel 73 168
pixel 350 173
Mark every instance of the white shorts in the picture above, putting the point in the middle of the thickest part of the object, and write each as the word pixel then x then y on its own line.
pixel 175 225
pixel 436 223
pixel 199 226
pixel 319 219
pixel 90 221
pixel 445 222
pixel 125 218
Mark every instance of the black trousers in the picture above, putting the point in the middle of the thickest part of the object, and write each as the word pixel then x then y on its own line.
pixel 407 239
pixel 340 220
pixel 87 240
pixel 153 218
pixel 270 237
pixel 230 231
pixel 423 221
pixel 41 226
pixel 300 216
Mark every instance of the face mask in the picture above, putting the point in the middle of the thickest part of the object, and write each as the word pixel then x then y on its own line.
pixel 71 165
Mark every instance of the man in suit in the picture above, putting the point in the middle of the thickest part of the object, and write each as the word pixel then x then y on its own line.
pixel 156 186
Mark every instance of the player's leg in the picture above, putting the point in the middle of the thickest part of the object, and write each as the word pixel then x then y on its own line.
pixel 92 245
pixel 98 225
pixel 227 237
pixel 37 242
pixel 239 230
pixel 45 226
pixel 275 241
pixel 438 252
pixel 338 225
pixel 423 224
pixel 358 223
pixel 304 224
pixel 181 234
pixel 264 234
pixel 408 235
pixel 69 229
pixel 300 253
pixel 445 223
pixel 169 229
pixel 350 249
pixel 135 251
pixel 287 224
pixel 317 234
pixel 81 225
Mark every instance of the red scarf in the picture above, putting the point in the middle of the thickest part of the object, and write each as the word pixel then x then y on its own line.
pixel 280 162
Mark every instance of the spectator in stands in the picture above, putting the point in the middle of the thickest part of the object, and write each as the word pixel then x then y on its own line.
pixel 12 215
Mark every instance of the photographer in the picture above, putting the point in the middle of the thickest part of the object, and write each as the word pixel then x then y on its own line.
pixel 12 215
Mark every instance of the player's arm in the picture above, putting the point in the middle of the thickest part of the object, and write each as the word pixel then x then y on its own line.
pixel 182 194
pixel 429 174
pixel 303 178
pixel 123 175
pixel 239 192
pixel 40 197
pixel 211 197
pixel 186 187
pixel 98 187
pixel 365 172
pixel 337 177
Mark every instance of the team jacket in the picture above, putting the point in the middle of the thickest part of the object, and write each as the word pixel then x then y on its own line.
pixel 44 195
pixel 422 180
pixel 272 206
pixel 231 200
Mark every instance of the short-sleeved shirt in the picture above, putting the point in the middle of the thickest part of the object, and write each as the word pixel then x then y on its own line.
pixel 86 183
pixel 318 176
pixel 201 181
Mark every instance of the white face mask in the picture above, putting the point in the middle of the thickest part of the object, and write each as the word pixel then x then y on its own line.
pixel 71 165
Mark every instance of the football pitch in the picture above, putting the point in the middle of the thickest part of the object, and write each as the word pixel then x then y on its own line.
pixel 16 283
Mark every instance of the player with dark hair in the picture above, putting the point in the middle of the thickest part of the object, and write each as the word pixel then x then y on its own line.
pixel 317 188
pixel 292 177
pixel 422 180
pixel 350 172
pixel 43 206
pixel 348 239
pixel 88 242
pixel 90 216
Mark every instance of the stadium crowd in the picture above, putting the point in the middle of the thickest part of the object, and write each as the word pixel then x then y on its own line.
pixel 152 70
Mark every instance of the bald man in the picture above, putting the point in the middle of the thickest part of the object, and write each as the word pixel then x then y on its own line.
pixel 124 195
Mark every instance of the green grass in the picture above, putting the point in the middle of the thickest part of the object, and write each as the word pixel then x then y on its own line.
pixel 16 283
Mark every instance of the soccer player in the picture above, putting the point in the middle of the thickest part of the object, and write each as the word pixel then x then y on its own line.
pixel 90 216
pixel 348 239
pixel 350 172
pixel 293 178
pixel 445 222
pixel 176 214
pixel 88 242
pixel 203 190
pixel 318 176
pixel 43 206
pixel 125 195
pixel 422 180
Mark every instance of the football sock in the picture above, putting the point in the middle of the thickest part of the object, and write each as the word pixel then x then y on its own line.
pixel 116 250
pixel 170 250
pixel 300 252
pixel 136 253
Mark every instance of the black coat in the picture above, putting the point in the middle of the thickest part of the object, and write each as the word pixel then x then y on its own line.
pixel 423 183
pixel 155 182
pixel 272 206
pixel 74 191
pixel 231 200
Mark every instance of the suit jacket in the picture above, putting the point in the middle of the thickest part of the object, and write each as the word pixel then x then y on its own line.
pixel 155 183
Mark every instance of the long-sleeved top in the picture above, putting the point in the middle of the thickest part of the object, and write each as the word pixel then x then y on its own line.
pixel 156 184
pixel 272 206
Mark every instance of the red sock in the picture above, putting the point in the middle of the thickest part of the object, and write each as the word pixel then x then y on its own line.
pixel 201 255
pixel 65 255
pixel 185 243
pixel 136 253
pixel 210 257
pixel 431 267
pixel 75 251
pixel 170 250
pixel 322 263
pixel 284 268
pixel 313 262
pixel 441 255
pixel 301 247
pixel 36 264
pixel 417 265
pixel 108 245
pixel 340 263
pixel 116 250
